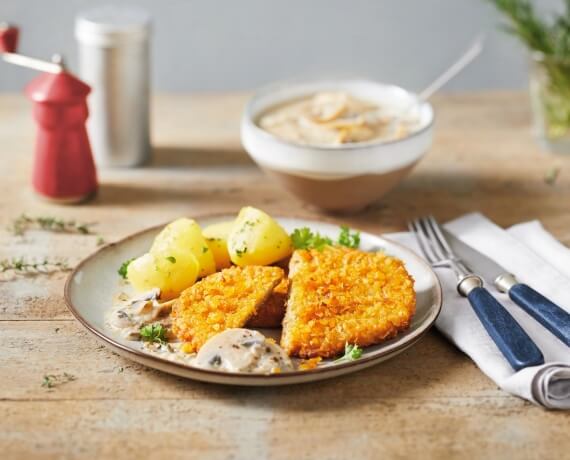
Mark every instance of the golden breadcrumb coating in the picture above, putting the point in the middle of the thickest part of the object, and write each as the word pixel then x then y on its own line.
pixel 340 296
pixel 223 300
pixel 272 311
pixel 308 364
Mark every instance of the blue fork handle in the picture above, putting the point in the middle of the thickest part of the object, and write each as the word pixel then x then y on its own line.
pixel 547 313
pixel 511 339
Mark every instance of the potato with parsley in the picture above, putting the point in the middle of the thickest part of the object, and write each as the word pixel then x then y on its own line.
pixel 257 239
pixel 216 236
pixel 170 273
pixel 185 235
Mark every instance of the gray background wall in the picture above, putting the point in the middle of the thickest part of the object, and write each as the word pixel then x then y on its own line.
pixel 241 44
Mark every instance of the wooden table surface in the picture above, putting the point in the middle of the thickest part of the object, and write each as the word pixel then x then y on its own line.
pixel 429 402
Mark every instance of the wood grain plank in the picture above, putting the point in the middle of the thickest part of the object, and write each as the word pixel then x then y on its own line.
pixel 242 428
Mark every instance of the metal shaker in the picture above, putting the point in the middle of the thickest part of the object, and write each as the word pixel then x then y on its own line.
pixel 114 60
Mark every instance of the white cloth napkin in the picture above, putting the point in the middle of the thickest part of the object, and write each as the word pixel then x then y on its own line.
pixel 536 258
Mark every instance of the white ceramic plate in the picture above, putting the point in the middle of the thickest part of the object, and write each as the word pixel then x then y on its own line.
pixel 90 288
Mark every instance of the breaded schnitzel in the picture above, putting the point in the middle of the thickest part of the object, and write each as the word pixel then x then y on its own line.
pixel 223 300
pixel 340 296
pixel 271 312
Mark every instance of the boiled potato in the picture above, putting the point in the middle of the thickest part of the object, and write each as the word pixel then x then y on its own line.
pixel 185 234
pixel 256 239
pixel 216 236
pixel 171 274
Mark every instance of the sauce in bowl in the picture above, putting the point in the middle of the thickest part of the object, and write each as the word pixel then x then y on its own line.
pixel 334 119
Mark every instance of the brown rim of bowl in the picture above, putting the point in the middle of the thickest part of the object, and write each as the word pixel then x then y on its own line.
pixel 250 119
pixel 109 340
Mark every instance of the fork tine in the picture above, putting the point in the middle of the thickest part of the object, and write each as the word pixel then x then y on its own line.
pixel 413 230
pixel 433 239
pixel 440 237
pixel 435 247
pixel 443 241
pixel 421 238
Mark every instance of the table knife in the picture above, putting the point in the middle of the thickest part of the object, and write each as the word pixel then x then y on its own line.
pixel 543 310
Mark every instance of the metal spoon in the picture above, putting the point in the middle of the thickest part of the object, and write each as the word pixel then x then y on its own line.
pixel 451 72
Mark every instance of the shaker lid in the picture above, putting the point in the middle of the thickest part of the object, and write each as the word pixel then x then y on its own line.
pixel 111 25
pixel 60 87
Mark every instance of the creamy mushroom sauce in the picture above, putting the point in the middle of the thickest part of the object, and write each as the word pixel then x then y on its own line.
pixel 234 350
pixel 336 118
pixel 128 315
pixel 243 350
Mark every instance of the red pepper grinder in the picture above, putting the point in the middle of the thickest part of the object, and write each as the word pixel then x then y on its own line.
pixel 64 170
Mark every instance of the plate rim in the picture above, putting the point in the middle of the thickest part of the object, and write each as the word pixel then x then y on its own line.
pixel 251 376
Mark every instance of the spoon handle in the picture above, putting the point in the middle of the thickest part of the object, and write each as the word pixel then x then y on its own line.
pixel 466 58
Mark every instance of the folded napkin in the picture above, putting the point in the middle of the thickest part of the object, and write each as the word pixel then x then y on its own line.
pixel 536 258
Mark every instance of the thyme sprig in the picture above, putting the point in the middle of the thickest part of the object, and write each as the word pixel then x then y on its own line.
pixel 24 223
pixel 52 380
pixel 22 266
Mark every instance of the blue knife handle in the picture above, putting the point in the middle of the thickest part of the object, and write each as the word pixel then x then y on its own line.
pixel 547 313
pixel 515 345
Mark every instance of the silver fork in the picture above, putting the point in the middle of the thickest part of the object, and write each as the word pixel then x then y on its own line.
pixel 511 339
pixel 439 254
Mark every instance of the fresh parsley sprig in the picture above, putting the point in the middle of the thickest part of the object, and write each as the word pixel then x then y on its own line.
pixel 304 238
pixel 348 239
pixel 122 271
pixel 352 352
pixel 154 333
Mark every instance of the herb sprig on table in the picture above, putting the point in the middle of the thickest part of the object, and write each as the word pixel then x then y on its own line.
pixel 21 265
pixel 51 380
pixel 551 175
pixel 24 223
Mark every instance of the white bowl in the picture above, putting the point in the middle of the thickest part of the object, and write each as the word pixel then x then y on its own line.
pixel 346 177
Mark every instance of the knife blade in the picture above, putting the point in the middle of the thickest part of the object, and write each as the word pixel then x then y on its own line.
pixel 552 317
